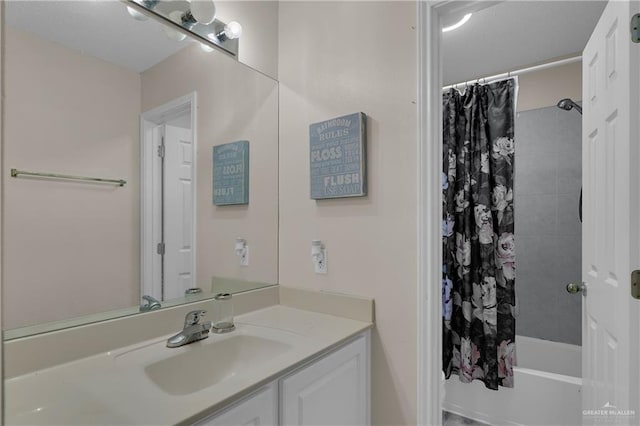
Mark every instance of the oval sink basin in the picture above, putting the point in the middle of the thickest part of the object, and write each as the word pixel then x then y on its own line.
pixel 202 364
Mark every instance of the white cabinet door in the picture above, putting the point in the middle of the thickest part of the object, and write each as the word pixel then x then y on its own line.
pixel 260 409
pixel 332 391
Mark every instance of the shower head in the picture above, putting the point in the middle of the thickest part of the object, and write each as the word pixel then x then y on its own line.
pixel 567 104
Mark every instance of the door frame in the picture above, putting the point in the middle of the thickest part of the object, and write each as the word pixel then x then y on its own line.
pixel 429 235
pixel 149 120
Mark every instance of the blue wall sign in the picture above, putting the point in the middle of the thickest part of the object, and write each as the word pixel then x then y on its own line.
pixel 231 173
pixel 338 157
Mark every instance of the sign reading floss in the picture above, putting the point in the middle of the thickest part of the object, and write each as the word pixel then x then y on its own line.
pixel 231 173
pixel 338 157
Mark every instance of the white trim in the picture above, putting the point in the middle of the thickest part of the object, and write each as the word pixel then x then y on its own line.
pixel 147 256
pixel 429 235
pixel 429 221
pixel 149 120
pixel 367 377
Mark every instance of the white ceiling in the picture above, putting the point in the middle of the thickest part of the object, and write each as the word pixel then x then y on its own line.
pixel 102 29
pixel 515 34
pixel 503 37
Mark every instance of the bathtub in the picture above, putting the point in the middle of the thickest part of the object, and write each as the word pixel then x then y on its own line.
pixel 546 389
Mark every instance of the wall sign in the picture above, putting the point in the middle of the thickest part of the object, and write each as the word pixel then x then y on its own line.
pixel 338 157
pixel 231 173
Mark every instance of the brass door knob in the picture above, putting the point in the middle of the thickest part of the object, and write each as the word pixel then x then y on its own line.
pixel 574 288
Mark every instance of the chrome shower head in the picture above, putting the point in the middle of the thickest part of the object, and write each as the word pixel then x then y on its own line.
pixel 567 105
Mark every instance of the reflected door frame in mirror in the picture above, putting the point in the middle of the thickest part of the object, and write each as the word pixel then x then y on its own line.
pixel 168 237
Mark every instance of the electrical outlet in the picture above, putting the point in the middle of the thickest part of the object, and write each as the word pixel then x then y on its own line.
pixel 320 262
pixel 244 257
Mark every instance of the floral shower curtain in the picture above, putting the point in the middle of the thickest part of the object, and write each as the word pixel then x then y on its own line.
pixel 478 273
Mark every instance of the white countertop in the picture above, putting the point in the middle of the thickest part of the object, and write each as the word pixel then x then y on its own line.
pixel 112 388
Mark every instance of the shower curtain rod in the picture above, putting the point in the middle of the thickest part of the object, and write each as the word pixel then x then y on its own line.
pixel 517 72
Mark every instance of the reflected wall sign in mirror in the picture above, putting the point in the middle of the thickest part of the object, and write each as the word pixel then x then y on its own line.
pixel 93 92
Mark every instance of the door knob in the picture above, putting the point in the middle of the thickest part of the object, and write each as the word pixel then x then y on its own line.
pixel 575 288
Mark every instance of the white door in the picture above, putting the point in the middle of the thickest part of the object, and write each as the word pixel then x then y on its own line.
pixel 178 226
pixel 611 219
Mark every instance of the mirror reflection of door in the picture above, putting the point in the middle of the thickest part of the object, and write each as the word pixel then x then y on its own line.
pixel 177 212
pixel 168 213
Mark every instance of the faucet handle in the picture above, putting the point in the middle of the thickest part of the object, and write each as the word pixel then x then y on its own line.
pixel 193 318
pixel 150 304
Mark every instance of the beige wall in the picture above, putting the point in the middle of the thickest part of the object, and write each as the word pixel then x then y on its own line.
pixel 259 41
pixel 545 88
pixel 234 103
pixel 70 248
pixel 338 58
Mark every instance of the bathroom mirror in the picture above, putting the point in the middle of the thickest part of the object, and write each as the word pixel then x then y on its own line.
pixel 94 93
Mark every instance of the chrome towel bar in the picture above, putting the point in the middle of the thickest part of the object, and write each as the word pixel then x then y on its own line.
pixel 16 173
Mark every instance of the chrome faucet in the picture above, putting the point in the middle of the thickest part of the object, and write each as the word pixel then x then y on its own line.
pixel 151 304
pixel 193 330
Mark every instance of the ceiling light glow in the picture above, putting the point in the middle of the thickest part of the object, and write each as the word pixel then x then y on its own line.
pixel 457 24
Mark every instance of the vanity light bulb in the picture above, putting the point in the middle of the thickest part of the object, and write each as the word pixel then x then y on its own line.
pixel 136 15
pixel 233 30
pixel 204 11
pixel 206 47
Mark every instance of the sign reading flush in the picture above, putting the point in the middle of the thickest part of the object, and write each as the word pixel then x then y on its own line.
pixel 338 157
pixel 231 173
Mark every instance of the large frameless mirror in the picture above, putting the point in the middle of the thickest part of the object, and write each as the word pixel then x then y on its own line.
pixel 110 129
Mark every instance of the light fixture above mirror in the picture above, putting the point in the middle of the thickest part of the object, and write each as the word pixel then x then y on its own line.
pixel 195 17
pixel 231 31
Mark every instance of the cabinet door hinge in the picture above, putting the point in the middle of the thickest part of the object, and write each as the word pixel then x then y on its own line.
pixel 160 248
pixel 635 28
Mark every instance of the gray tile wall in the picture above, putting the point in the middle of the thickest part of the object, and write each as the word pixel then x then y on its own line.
pixel 547 230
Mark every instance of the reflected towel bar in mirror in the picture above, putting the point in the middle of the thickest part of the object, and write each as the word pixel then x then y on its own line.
pixel 16 173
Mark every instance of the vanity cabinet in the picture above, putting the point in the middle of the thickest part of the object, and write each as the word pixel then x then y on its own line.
pixel 260 408
pixel 331 390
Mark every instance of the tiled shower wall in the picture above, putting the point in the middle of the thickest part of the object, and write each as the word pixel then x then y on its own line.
pixel 547 229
